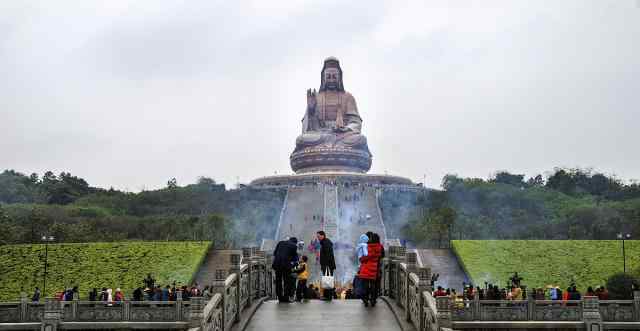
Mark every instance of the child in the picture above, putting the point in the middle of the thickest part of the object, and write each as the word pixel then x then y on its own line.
pixel 303 274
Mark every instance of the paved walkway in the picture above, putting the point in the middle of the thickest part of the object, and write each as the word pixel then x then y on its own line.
pixel 317 315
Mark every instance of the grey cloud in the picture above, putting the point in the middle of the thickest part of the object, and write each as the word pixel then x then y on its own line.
pixel 133 95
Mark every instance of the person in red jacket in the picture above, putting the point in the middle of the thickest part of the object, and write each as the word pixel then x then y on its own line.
pixel 368 272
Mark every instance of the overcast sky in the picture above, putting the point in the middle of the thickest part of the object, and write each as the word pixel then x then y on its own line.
pixel 131 93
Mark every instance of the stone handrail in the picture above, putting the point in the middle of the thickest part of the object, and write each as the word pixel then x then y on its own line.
pixel 408 286
pixel 235 290
pixel 85 311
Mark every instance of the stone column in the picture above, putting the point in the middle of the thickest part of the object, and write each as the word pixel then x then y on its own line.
pixel 591 314
pixel 443 305
pixel 52 315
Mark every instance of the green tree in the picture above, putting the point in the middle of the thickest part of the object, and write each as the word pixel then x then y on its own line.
pixel 172 184
pixel 620 286
pixel 504 177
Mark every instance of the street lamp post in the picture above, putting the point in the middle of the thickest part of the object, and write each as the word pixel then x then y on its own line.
pixel 46 240
pixel 624 237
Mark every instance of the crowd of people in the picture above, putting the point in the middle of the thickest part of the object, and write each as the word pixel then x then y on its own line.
pixel 292 271
pixel 151 291
pixel 516 291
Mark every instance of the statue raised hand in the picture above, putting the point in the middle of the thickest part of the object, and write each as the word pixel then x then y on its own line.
pixel 311 100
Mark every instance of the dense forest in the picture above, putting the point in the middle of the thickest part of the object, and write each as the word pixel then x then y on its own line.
pixel 69 209
pixel 567 204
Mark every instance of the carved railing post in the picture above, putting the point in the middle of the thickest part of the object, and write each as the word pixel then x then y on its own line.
pixel 476 306
pixel 424 275
pixel 235 268
pixel 197 311
pixel 179 305
pixel 52 315
pixel 591 314
pixel 400 257
pixel 269 277
pixel 262 275
pixel 384 282
pixel 219 287
pixel 247 256
pixel 531 305
pixel 126 310
pixel 74 308
pixel 636 306
pixel 24 302
pixel 443 306
pixel 411 260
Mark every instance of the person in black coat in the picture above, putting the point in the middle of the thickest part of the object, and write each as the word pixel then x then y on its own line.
pixel 285 254
pixel 327 260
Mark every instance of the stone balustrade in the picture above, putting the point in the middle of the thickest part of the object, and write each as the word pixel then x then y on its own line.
pixel 235 289
pixel 409 289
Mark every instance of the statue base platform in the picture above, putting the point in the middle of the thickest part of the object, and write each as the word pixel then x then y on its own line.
pixel 334 177
pixel 330 159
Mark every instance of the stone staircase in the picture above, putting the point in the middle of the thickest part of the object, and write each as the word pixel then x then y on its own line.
pixel 215 259
pixel 445 263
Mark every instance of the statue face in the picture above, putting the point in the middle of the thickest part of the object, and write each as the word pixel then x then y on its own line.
pixel 331 78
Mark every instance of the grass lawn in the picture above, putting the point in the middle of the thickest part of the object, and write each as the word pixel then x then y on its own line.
pixel 89 265
pixel 544 262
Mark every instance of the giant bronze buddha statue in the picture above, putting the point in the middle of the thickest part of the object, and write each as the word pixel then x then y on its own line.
pixel 331 139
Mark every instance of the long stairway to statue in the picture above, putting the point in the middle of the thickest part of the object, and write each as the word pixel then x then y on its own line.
pixel 343 211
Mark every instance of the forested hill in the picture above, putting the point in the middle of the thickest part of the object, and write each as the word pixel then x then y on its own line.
pixel 70 209
pixel 567 204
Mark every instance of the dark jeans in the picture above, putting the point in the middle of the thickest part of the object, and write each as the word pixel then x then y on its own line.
pixel 378 286
pixel 301 290
pixel 284 284
pixel 370 290
pixel 328 294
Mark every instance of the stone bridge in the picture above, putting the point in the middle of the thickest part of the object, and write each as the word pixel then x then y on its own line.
pixel 242 301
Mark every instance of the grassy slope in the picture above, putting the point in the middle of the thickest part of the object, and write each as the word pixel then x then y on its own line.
pixel 543 262
pixel 118 264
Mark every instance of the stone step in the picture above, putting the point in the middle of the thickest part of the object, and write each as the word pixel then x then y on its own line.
pixel 445 263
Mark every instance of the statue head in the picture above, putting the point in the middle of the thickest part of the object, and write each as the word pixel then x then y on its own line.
pixel 331 75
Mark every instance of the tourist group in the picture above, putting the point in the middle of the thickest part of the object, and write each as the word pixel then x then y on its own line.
pixel 290 268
